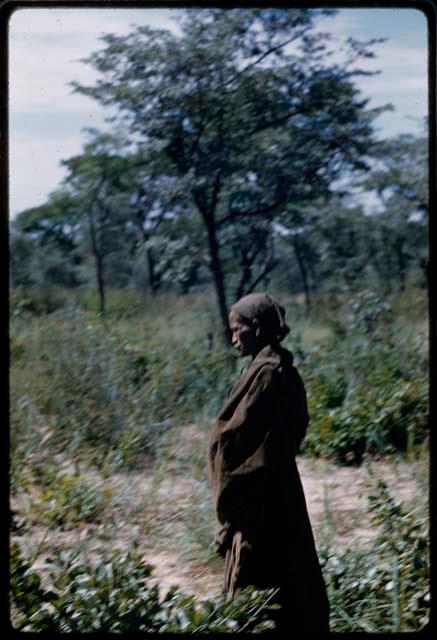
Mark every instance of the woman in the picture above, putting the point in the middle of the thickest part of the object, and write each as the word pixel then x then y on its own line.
pixel 264 531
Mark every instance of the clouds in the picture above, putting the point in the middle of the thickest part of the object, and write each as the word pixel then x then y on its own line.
pixel 34 168
pixel 401 63
pixel 46 46
pixel 403 83
pixel 46 118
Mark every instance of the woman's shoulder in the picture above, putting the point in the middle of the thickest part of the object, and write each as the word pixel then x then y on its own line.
pixel 273 357
pixel 272 363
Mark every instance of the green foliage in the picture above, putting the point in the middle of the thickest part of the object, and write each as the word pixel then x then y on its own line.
pixel 386 588
pixel 382 421
pixel 116 389
pixel 68 500
pixel 28 599
pixel 399 240
pixel 367 388
pixel 232 128
pixel 39 300
pixel 45 243
pixel 224 169
pixel 116 596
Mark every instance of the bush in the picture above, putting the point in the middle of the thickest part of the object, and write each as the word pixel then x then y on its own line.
pixel 373 420
pixel 116 596
pixel 367 389
pixel 39 301
pixel 386 588
pixel 116 386
pixel 67 501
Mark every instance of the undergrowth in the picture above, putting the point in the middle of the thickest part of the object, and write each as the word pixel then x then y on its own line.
pixel 115 595
pixel 367 384
pixel 384 588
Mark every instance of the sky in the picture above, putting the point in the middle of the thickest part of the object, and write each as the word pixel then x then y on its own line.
pixel 47 121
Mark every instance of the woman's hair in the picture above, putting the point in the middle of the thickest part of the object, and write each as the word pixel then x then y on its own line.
pixel 267 313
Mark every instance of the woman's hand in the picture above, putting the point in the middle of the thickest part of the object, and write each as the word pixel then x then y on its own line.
pixel 223 539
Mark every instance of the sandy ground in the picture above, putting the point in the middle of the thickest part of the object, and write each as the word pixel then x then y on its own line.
pixel 163 509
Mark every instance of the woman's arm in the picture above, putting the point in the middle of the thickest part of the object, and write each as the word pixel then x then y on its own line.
pixel 240 459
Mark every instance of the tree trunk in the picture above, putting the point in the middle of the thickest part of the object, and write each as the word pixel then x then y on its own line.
pixel 245 277
pixel 402 266
pixel 217 273
pixel 207 211
pixel 153 276
pixel 303 273
pixel 100 283
pixel 98 256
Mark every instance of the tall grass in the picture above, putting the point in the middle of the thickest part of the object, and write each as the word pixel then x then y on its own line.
pixel 117 384
pixel 114 385
pixel 367 383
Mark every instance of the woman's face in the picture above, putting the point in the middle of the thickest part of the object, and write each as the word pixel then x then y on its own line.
pixel 243 335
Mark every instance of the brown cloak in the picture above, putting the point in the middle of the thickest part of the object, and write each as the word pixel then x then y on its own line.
pixel 264 530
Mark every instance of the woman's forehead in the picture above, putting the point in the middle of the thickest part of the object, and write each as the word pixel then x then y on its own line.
pixel 235 318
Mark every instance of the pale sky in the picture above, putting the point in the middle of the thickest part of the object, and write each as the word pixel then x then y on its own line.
pixel 46 120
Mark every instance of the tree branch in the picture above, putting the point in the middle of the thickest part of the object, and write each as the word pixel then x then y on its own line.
pixel 215 191
pixel 260 59
pixel 253 212
pixel 273 123
pixel 267 269
pixel 247 263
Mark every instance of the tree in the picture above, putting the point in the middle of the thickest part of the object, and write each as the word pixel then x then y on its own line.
pixel 248 253
pixel 94 180
pixel 400 180
pixel 343 246
pixel 245 111
pixel 50 236
pixel 297 226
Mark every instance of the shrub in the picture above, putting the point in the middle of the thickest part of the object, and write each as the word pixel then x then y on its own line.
pixel 373 420
pixel 367 388
pixel 116 596
pixel 116 386
pixel 386 588
pixel 69 500
pixel 38 301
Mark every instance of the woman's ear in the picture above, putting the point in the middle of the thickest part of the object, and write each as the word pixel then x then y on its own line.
pixel 257 327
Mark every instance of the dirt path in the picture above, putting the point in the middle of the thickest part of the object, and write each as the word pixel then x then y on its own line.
pixel 166 510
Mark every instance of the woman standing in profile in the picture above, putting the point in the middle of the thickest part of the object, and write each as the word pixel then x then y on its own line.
pixel 264 532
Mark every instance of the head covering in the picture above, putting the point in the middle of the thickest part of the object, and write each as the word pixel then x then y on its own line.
pixel 269 314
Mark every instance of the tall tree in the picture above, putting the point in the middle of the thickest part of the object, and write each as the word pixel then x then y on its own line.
pixel 400 180
pixel 243 100
pixel 94 179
